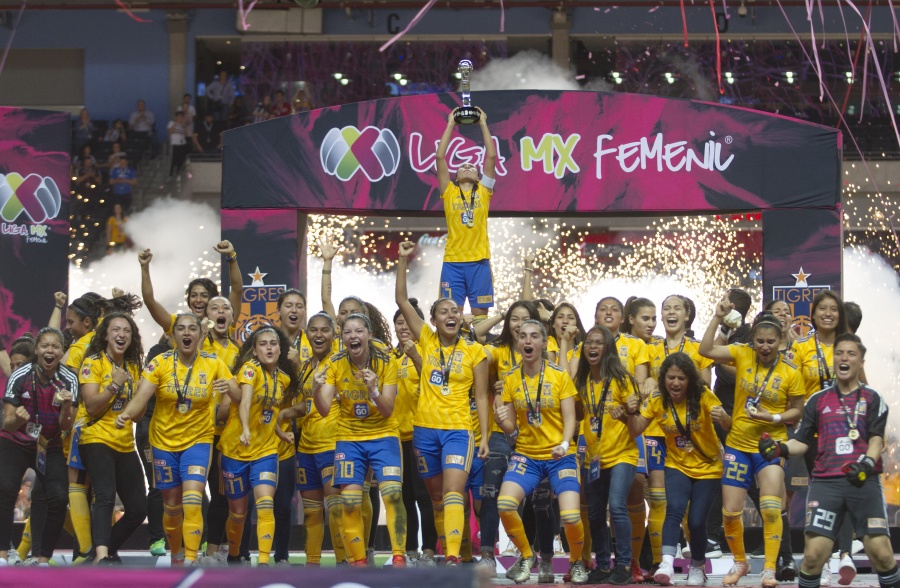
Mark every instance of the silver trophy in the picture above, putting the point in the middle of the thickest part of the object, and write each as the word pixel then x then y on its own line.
pixel 466 114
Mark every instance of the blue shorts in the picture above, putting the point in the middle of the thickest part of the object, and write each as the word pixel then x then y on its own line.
pixel 171 469
pixel 642 460
pixel 239 476
pixel 75 449
pixel 352 460
pixel 470 280
pixel 656 453
pixel 437 450
pixel 316 471
pixel 528 473
pixel 741 467
pixel 476 477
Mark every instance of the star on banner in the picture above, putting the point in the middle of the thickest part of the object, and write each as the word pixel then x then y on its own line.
pixel 258 276
pixel 801 279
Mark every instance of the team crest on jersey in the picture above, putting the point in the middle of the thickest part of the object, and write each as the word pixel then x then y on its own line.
pixel 259 305
pixel 249 372
pixel 203 379
pixel 86 372
pixel 799 298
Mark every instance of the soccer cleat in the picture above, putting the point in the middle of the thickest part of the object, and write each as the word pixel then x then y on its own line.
pixel 359 564
pixel 578 574
pixel 13 558
pixel 30 562
pixel 510 551
pixel 178 559
pixel 786 572
pixel 210 561
pixel 451 562
pixel 713 549
pixel 620 576
pixel 521 570
pixel 767 578
pixel 558 546
pixel 486 566
pixel 426 561
pixel 738 571
pixel 825 578
pixel 637 574
pixel 664 574
pixel 847 571
pixel 398 561
pixel 696 576
pixel 158 548
pixel 545 572
pixel 686 552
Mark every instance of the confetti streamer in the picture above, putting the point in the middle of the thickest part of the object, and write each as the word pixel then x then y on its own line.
pixel 411 24
pixel 12 35
pixel 130 14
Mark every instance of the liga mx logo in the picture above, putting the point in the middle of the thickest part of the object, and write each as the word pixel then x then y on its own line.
pixel 259 304
pixel 38 197
pixel 374 151
pixel 799 297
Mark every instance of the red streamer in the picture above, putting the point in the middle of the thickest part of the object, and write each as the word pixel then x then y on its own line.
pixel 712 9
pixel 684 23
pixel 130 14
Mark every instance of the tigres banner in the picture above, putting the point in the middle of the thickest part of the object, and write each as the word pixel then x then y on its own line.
pixel 34 217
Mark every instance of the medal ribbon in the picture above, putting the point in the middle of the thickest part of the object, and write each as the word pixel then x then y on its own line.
pixel 469 207
pixel 685 429
pixel 182 391
pixel 759 389
pixel 851 424
pixel 680 347
pixel 533 409
pixel 825 378
pixel 445 368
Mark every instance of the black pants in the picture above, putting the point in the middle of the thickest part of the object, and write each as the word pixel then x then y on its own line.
pixel 179 155
pixel 217 513
pixel 284 498
pixel 154 497
pixel 414 492
pixel 49 496
pixel 114 472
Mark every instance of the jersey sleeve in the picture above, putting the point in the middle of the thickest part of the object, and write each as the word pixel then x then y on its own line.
pixel 389 373
pixel 222 371
pixel 809 425
pixel 795 385
pixel 650 408
pixel 642 354
pixel 876 417
pixel 91 371
pixel 13 394
pixel 151 373
pixel 247 374
pixel 508 385
pixel 567 387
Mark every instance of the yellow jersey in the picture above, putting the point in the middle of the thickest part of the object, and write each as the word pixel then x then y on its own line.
pixel 76 352
pixel 317 434
pixel 778 384
pixel 98 369
pixel 359 417
pixel 504 359
pixel 407 394
pixel 632 351
pixel 696 457
pixel 657 352
pixel 170 429
pixel 541 429
pixel 465 243
pixel 604 436
pixel 268 396
pixel 227 353
pixel 437 410
pixel 816 363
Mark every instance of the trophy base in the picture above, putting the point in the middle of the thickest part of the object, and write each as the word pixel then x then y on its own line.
pixel 467 115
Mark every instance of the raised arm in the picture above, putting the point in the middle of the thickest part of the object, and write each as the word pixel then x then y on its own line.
pixel 443 170
pixel 400 293
pixel 323 392
pixel 708 346
pixel 490 153
pixel 527 271
pixel 160 315
pixel 234 276
pixel 134 410
pixel 328 253
pixel 59 300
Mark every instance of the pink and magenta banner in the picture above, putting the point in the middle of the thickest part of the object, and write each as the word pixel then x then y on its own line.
pixel 559 153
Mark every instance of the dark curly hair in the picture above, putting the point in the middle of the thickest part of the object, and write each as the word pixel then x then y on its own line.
pixel 695 386
pixel 135 351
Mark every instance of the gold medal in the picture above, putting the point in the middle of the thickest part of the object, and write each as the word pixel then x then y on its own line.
pixel 853 434
pixel 688 446
pixel 752 410
pixel 445 390
pixel 182 407
pixel 470 222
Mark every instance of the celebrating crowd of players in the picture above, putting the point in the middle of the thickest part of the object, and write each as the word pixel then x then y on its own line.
pixel 446 421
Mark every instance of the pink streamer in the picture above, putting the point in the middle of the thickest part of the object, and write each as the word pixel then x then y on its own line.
pixel 847 39
pixel 503 18
pixel 865 78
pixel 411 24
pixel 131 15
pixel 841 114
pixel 244 14
pixel 896 27
pixel 12 35
pixel 812 37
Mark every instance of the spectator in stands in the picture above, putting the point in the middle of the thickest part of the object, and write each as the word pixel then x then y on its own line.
pixel 116 133
pixel 220 96
pixel 302 101
pixel 88 176
pixel 123 179
pixel 281 107
pixel 141 120
pixel 190 113
pixel 178 134
pixel 83 154
pixel 263 110
pixel 115 230
pixel 237 114
pixel 85 132
pixel 115 153
pixel 208 135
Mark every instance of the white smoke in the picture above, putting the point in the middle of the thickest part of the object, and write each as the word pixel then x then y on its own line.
pixel 181 235
pixel 873 284
pixel 526 70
